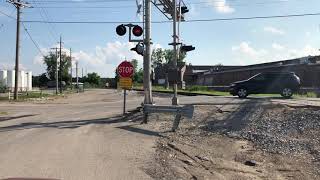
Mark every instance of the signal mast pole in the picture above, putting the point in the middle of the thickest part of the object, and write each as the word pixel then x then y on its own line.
pixel 147 54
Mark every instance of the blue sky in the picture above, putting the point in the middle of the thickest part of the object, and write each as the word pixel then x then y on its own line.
pixel 99 49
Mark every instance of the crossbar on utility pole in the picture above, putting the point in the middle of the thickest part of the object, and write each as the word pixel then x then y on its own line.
pixel 147 55
pixel 18 5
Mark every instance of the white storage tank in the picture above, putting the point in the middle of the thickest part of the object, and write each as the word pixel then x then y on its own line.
pixel 29 80
pixel 3 77
pixel 10 79
pixel 21 82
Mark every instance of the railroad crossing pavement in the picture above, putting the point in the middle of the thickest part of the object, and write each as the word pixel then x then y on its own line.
pixel 78 137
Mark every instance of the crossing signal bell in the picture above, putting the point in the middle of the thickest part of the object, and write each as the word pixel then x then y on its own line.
pixel 137 30
pixel 121 30
pixel 139 49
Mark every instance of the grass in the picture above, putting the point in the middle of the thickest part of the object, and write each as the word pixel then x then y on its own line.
pixel 4 113
pixel 202 90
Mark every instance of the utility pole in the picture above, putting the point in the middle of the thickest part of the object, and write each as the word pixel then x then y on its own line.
pixel 57 76
pixel 60 69
pixel 77 76
pixel 175 57
pixel 147 54
pixel 71 68
pixel 18 5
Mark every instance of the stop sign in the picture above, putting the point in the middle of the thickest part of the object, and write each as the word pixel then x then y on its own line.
pixel 125 69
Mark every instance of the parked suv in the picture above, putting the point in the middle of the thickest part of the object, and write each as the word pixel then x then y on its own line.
pixel 284 83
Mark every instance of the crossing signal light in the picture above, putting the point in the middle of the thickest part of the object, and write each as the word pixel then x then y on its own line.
pixel 184 9
pixel 137 30
pixel 186 48
pixel 121 30
pixel 139 49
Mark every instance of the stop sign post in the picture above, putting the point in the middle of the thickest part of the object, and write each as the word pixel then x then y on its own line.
pixel 125 71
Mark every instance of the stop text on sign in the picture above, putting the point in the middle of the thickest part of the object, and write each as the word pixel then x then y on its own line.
pixel 127 70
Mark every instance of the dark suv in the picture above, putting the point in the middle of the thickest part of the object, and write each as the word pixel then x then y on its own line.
pixel 284 83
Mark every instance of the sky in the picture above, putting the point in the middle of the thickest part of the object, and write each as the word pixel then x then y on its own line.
pixel 97 48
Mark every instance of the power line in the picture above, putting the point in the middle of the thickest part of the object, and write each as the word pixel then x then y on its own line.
pixel 9 16
pixel 187 21
pixel 33 41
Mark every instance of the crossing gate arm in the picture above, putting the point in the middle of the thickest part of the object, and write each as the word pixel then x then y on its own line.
pixel 179 111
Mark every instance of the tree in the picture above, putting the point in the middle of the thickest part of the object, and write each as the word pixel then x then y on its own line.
pixel 50 62
pixel 39 81
pixel 93 79
pixel 138 74
pixel 157 57
pixel 169 54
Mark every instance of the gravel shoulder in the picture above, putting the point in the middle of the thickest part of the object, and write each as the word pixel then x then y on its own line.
pixel 254 140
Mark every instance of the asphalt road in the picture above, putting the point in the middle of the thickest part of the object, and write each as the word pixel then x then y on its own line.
pixel 82 137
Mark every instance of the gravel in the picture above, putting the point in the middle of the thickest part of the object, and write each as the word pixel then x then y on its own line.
pixel 276 129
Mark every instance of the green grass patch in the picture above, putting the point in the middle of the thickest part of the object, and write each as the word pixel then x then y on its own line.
pixel 4 113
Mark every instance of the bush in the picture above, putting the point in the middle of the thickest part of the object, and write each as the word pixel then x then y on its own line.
pixel 3 88
pixel 197 88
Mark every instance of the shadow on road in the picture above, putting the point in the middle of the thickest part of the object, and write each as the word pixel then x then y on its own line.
pixel 139 130
pixel 132 117
pixel 15 117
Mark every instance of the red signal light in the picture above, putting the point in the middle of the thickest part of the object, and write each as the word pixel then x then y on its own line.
pixel 137 30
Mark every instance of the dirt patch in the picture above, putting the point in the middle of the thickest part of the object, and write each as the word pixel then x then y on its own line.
pixel 251 141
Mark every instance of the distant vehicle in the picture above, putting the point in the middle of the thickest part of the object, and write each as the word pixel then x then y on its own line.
pixel 284 83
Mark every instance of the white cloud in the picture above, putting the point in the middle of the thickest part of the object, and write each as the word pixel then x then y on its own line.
pixel 221 6
pixel 274 30
pixel 245 49
pixel 10 66
pixel 103 60
pixel 277 46
pixel 245 54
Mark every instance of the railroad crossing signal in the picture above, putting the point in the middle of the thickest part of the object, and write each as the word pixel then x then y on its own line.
pixel 137 30
pixel 121 30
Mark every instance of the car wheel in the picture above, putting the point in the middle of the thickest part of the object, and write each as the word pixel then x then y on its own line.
pixel 287 92
pixel 242 93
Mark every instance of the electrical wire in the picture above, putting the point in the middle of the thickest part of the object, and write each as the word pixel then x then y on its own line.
pixel 187 21
pixel 33 41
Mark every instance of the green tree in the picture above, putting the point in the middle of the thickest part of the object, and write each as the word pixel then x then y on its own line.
pixel 157 57
pixel 50 62
pixel 138 73
pixel 39 81
pixel 169 54
pixel 93 79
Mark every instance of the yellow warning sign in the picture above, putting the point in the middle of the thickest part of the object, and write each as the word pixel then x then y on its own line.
pixel 125 82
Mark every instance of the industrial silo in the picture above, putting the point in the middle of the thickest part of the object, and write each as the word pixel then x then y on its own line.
pixel 29 80
pixel 3 77
pixel 10 79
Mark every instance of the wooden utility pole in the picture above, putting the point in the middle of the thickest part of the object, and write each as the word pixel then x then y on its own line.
pixel 18 5
pixel 77 63
pixel 56 74
pixel 71 68
pixel 60 67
